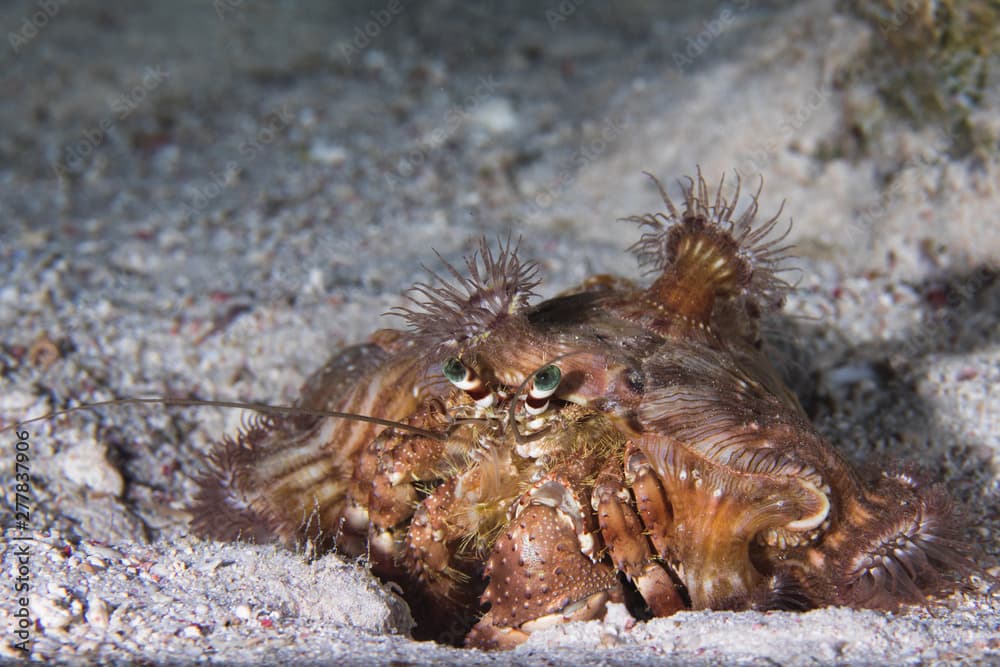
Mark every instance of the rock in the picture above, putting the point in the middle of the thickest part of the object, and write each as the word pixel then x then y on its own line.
pixel 86 464
pixel 328 153
pixel 243 612
pixel 97 611
pixel 495 115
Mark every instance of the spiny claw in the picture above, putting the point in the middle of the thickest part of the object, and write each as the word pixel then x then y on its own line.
pixel 539 576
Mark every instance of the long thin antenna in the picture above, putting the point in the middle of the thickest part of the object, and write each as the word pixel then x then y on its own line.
pixel 256 407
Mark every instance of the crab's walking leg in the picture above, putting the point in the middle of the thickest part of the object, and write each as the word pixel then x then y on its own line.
pixel 380 489
pixel 627 544
pixel 650 499
pixel 443 567
pixel 382 496
pixel 393 498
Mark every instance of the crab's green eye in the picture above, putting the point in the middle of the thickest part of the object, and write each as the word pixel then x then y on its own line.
pixel 543 384
pixel 466 379
pixel 546 381
pixel 454 370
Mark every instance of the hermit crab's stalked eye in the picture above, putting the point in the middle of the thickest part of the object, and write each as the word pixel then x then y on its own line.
pixel 491 288
pixel 466 379
pixel 456 372
pixel 543 385
pixel 546 381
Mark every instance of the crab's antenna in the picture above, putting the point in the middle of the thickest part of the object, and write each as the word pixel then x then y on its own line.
pixel 262 408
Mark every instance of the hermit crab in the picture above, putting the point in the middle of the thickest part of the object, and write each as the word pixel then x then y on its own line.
pixel 513 465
